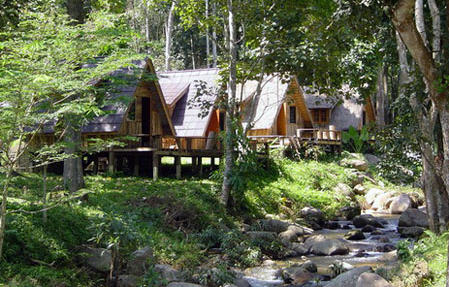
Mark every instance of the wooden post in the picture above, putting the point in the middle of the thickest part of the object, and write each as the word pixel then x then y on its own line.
pixel 136 165
pixel 96 164
pixel 200 166
pixel 111 162
pixel 212 162
pixel 155 166
pixel 194 163
pixel 178 167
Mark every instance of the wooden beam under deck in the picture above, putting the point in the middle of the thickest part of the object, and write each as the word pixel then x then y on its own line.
pixel 190 153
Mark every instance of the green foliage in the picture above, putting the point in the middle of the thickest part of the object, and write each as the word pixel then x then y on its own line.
pixel 152 279
pixel 355 139
pixel 430 250
pixel 298 184
pixel 242 253
pixel 398 143
pixel 216 277
pixel 403 249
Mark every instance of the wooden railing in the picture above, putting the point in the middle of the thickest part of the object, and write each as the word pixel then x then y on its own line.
pixel 191 143
pixel 319 134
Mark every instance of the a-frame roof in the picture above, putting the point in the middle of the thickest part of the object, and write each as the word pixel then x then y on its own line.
pixel 121 87
pixel 184 89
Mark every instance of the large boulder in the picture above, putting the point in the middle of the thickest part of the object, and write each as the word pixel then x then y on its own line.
pixel 413 217
pixel 382 200
pixel 348 279
pixel 291 234
pixel 371 159
pixel 299 249
pixel 359 189
pixel 296 275
pixel 310 266
pixel 358 164
pixel 366 219
pixel 312 215
pixel 261 235
pixel 355 235
pixel 400 203
pixel 369 279
pixel 139 261
pixel 273 225
pixel 344 189
pixel 320 245
pixel 99 259
pixel 371 195
pixel 411 232
pixel 349 212
pixel 240 282
pixel 127 281
pixel 168 273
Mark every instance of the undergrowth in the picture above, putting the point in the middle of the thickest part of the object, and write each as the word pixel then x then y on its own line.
pixel 179 219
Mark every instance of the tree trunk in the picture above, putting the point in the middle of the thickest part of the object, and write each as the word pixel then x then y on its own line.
pixel 380 97
pixel 76 10
pixel 193 51
pixel 168 35
pixel 3 209
pixel 147 22
pixel 436 29
pixel 44 192
pixel 232 84
pixel 207 37
pixel 73 169
pixel 419 20
pixel 214 39
pixel 426 124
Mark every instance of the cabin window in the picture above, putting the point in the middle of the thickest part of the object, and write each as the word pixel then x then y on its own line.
pixel 293 115
pixel 132 112
pixel 320 116
pixel 222 121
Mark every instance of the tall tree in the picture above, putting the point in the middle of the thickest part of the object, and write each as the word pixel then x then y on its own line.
pixel 168 34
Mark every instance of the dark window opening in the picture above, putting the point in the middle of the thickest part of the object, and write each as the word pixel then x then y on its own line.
pixel 364 118
pixel 320 116
pixel 132 112
pixel 222 121
pixel 293 115
pixel 145 115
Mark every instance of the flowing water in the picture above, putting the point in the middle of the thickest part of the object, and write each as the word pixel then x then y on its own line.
pixel 362 253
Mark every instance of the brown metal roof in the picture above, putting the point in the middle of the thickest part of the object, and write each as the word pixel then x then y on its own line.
pixel 273 95
pixel 173 91
pixel 189 118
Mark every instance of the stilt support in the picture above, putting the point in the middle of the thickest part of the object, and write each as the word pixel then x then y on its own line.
pixel 111 162
pixel 155 166
pixel 136 165
pixel 200 166
pixel 178 166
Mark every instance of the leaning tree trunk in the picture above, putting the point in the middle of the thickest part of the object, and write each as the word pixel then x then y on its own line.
pixel 168 35
pixel 426 126
pixel 230 111
pixel 402 19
